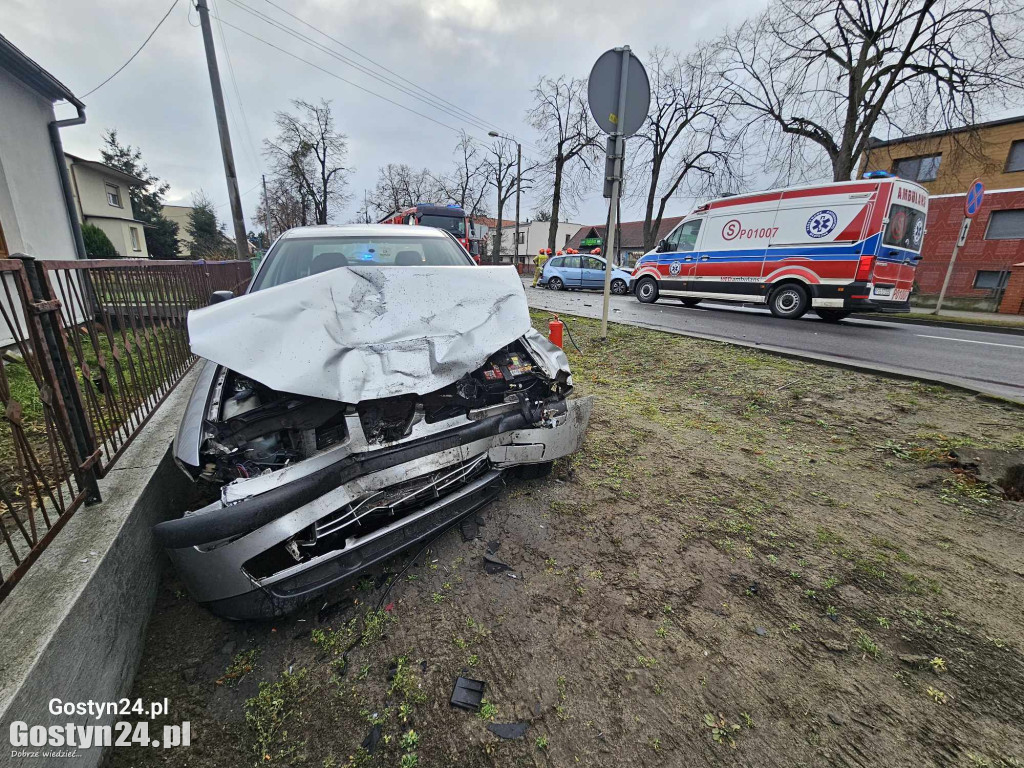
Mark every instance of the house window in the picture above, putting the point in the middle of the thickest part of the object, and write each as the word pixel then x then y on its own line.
pixel 1005 225
pixel 134 232
pixel 991 278
pixel 924 168
pixel 522 237
pixel 114 196
pixel 1015 160
pixel 567 240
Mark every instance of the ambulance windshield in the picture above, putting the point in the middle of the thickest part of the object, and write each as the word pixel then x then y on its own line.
pixel 905 228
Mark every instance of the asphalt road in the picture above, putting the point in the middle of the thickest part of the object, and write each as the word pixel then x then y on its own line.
pixel 988 362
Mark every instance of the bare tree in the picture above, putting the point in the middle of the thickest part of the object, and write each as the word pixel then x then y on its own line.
pixel 286 206
pixel 502 177
pixel 399 186
pixel 309 155
pixel 569 138
pixel 684 145
pixel 830 72
pixel 466 185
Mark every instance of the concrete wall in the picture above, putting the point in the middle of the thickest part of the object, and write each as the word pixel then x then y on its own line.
pixel 179 214
pixel 32 210
pixel 535 237
pixel 73 628
pixel 945 214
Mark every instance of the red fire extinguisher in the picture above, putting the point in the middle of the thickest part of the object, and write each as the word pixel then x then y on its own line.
pixel 555 330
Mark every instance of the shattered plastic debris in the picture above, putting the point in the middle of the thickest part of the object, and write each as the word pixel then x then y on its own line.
pixel 372 739
pixel 508 730
pixel 467 694
pixel 493 565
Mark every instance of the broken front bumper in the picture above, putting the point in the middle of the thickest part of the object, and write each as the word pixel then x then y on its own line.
pixel 221 550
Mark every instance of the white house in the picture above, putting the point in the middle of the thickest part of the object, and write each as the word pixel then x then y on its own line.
pixel 533 235
pixel 37 210
pixel 101 195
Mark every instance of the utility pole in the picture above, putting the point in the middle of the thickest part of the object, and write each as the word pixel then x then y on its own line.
pixel 519 187
pixel 241 239
pixel 266 213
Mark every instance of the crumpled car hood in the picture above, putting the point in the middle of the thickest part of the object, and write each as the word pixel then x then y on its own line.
pixel 362 333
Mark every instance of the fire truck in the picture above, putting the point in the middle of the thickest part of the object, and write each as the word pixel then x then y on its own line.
pixel 834 248
pixel 450 218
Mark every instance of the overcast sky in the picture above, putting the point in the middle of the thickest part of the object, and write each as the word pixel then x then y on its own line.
pixel 482 55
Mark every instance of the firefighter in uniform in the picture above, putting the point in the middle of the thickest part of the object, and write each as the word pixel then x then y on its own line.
pixel 542 256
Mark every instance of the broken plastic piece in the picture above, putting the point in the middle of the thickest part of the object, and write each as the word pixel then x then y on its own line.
pixel 468 694
pixel 493 565
pixel 508 730
pixel 372 739
pixel 469 528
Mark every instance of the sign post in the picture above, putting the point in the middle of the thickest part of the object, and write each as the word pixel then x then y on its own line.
pixel 619 96
pixel 975 194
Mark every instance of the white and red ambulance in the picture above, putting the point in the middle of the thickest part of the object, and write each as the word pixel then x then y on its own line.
pixel 836 248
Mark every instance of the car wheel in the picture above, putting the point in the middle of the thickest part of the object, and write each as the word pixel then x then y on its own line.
pixel 619 287
pixel 689 302
pixel 789 301
pixel 647 290
pixel 831 315
pixel 534 471
pixel 555 284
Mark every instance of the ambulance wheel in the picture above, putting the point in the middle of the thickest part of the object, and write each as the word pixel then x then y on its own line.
pixel 619 287
pixel 647 290
pixel 789 301
pixel 690 302
pixel 555 284
pixel 831 315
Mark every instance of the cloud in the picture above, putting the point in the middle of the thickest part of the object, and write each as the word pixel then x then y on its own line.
pixel 483 55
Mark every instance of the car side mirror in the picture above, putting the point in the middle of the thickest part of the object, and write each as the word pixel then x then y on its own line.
pixel 662 246
pixel 218 296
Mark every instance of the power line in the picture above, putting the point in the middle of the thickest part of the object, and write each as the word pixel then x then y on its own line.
pixel 132 58
pixel 342 79
pixel 478 124
pixel 381 66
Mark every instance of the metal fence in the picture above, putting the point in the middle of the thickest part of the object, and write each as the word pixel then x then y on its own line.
pixel 90 350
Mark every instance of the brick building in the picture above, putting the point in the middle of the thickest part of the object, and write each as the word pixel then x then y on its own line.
pixel 946 163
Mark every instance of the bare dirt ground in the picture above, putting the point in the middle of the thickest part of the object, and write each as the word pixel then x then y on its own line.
pixel 753 561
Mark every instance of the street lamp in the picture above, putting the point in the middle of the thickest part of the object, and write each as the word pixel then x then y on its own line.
pixel 519 180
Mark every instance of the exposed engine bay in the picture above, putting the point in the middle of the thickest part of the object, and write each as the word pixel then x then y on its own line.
pixel 252 429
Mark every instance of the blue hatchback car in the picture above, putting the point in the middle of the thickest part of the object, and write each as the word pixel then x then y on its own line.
pixel 579 271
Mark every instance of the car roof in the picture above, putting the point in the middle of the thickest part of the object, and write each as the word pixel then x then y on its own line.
pixel 362 230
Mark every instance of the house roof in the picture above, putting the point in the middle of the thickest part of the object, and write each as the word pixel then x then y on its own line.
pixel 106 170
pixel 632 232
pixel 489 222
pixel 874 143
pixel 33 75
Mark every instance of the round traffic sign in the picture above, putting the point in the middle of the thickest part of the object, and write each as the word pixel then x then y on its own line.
pixel 974 197
pixel 603 93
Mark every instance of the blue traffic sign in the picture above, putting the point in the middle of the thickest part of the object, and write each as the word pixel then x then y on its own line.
pixel 974 197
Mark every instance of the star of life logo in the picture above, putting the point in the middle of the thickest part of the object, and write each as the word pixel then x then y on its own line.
pixel 821 223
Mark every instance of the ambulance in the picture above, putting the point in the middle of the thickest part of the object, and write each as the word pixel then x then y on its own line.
pixel 834 248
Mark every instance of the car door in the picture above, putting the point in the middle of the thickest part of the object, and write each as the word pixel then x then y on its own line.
pixel 572 271
pixel 593 272
pixel 681 254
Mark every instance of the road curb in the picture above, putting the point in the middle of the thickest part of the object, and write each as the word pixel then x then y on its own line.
pixel 877 369
pixel 941 324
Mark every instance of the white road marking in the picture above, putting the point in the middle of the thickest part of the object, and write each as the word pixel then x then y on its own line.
pixel 971 341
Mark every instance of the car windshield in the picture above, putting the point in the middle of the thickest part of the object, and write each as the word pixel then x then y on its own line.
pixel 454 224
pixel 294 258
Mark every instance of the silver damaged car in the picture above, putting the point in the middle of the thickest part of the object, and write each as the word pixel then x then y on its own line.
pixel 372 387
